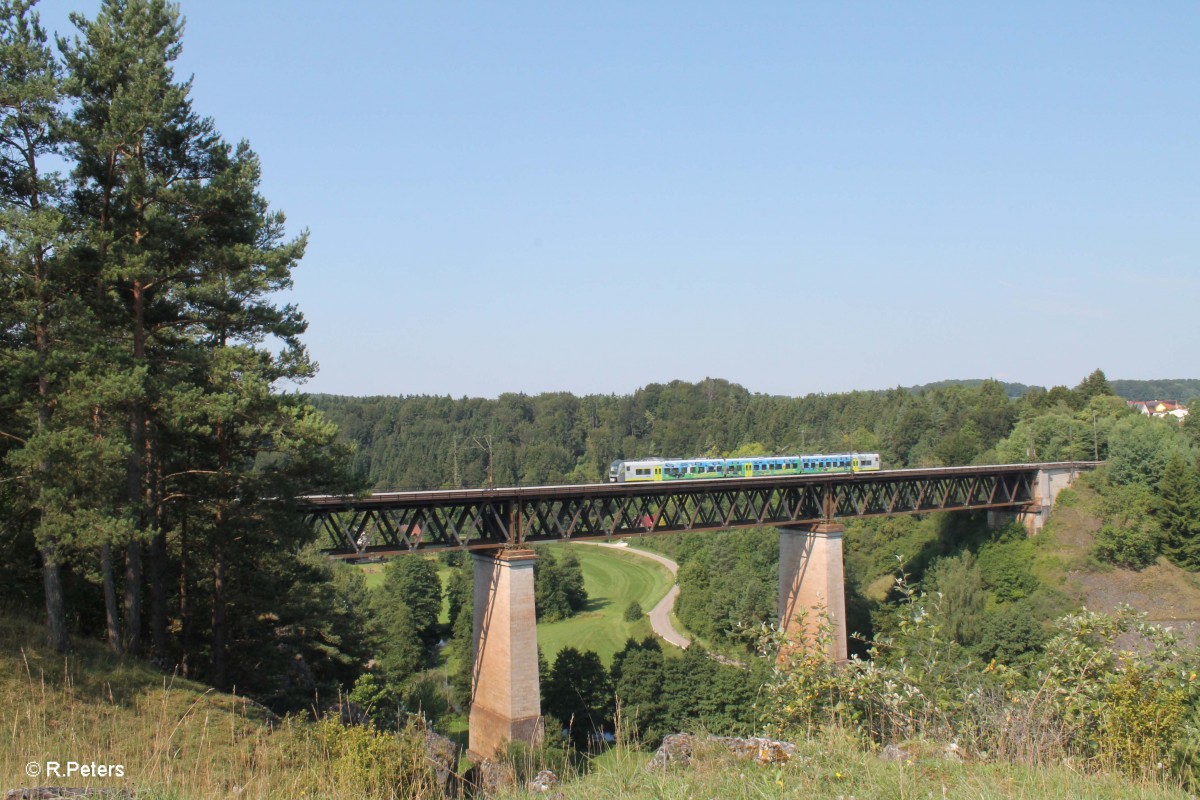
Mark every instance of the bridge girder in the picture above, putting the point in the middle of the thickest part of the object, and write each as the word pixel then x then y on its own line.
pixel 394 523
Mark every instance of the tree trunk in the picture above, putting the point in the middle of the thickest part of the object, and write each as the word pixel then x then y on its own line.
pixel 158 574
pixel 158 597
pixel 220 634
pixel 185 608
pixel 134 487
pixel 56 614
pixel 111 618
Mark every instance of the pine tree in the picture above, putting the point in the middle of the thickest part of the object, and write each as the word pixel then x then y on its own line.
pixel 39 317
pixel 141 156
pixel 1178 512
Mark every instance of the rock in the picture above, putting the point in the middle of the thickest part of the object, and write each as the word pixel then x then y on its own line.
pixel 953 752
pixel 543 782
pixel 679 748
pixel 763 751
pixel 489 778
pixel 675 749
pixel 894 753
pixel 443 753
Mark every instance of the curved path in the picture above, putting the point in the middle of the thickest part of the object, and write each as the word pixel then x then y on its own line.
pixel 660 615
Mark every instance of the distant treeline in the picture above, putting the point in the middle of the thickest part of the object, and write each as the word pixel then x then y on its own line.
pixel 1180 390
pixel 422 442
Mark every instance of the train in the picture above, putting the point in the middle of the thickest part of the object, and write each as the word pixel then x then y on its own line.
pixel 684 469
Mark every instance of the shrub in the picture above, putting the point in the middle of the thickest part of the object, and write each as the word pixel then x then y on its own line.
pixel 364 762
pixel 633 611
pixel 1080 697
pixel 1132 547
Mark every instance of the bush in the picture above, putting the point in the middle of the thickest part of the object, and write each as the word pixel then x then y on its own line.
pixel 1132 547
pixel 365 762
pixel 1081 697
pixel 633 611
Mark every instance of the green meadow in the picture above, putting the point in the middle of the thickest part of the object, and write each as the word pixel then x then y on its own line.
pixel 613 579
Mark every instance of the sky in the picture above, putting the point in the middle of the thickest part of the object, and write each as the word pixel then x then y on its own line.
pixel 798 197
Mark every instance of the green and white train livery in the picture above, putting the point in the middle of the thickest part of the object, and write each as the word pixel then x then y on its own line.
pixel 685 469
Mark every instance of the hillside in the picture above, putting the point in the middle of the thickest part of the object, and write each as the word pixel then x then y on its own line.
pixel 177 739
pixel 1167 594
pixel 173 738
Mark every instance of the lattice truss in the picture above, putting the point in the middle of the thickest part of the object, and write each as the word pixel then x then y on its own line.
pixel 380 528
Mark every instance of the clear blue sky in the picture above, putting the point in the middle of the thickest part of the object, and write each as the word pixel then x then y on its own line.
pixel 798 197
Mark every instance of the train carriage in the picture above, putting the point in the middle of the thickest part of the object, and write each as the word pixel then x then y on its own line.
pixel 681 469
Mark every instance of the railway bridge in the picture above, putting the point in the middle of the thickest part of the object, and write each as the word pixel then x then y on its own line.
pixel 500 525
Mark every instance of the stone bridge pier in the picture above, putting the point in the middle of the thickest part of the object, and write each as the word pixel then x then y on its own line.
pixel 505 695
pixel 812 587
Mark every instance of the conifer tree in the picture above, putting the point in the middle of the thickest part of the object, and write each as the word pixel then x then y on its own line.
pixel 1179 512
pixel 35 293
pixel 141 155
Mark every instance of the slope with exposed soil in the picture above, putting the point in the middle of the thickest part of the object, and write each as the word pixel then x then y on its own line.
pixel 1167 594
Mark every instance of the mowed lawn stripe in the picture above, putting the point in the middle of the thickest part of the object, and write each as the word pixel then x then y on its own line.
pixel 613 580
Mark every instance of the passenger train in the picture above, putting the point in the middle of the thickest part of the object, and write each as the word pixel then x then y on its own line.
pixel 683 469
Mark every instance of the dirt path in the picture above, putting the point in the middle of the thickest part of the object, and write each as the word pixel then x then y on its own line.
pixel 660 615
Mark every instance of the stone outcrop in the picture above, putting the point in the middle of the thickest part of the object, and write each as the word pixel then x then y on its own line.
pixel 680 749
pixel 544 781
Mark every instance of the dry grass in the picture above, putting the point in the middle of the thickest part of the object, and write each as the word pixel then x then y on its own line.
pixel 174 738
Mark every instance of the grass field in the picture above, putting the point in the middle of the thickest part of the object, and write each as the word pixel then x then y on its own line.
pixel 613 579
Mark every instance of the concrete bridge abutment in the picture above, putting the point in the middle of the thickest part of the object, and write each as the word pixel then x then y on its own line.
pixel 1046 486
pixel 812 588
pixel 505 695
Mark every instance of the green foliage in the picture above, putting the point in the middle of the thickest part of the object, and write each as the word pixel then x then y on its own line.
pixel 429 442
pixel 1180 390
pixel 959 582
pixel 1005 566
pixel 579 694
pixel 1094 385
pixel 726 581
pixel 1178 511
pixel 1133 547
pixel 371 763
pixel 1010 635
pixel 633 611
pixel 460 590
pixel 1079 696
pixel 411 585
pixel 1140 447
pixel 558 586
pixel 700 693
pixel 638 673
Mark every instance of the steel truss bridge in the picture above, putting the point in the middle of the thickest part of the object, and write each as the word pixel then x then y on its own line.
pixel 391 523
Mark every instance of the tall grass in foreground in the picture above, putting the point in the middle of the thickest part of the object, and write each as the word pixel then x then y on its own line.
pixel 835 765
pixel 176 738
